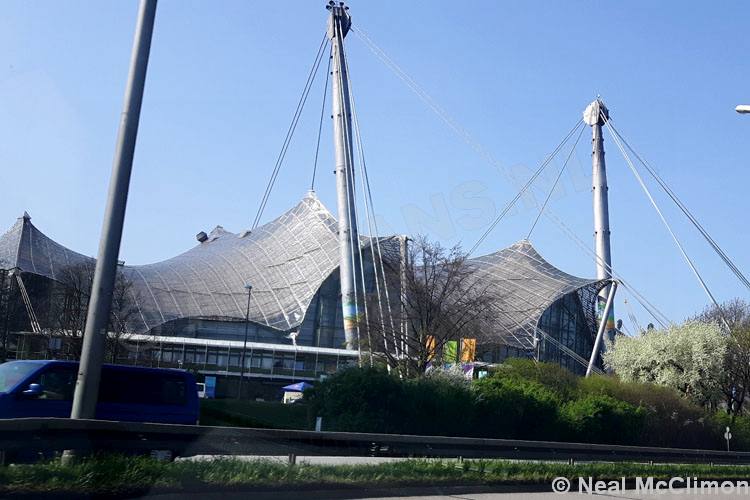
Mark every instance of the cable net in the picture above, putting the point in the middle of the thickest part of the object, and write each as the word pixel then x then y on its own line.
pixel 287 261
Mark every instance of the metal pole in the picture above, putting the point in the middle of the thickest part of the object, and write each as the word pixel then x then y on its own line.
pixel 404 251
pixel 602 325
pixel 249 289
pixel 338 26
pixel 87 385
pixel 595 116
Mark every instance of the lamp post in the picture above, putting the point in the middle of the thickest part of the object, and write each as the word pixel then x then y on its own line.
pixel 105 273
pixel 743 109
pixel 249 289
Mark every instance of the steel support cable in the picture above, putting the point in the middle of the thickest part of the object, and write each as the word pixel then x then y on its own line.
pixel 35 327
pixel 320 124
pixel 478 148
pixel 655 313
pixel 645 303
pixel 632 317
pixel 688 260
pixel 364 290
pixel 290 131
pixel 354 205
pixel 368 215
pixel 686 211
pixel 673 196
pixel 427 99
pixel 557 180
pixel 525 187
pixel 361 269
pixel 568 351
pixel 375 247
pixel 371 222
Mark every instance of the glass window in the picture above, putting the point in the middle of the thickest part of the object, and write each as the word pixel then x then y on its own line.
pixel 221 360
pixel 141 387
pixel 13 372
pixel 234 359
pixel 58 383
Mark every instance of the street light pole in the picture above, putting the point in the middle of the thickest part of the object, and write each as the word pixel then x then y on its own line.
pixel 105 273
pixel 249 289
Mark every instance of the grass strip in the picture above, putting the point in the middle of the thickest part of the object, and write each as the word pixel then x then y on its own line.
pixel 115 475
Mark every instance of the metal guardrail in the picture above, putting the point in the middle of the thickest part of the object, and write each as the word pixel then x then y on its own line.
pixel 55 434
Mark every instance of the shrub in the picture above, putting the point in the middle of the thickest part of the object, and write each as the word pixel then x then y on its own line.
pixel 438 406
pixel 371 400
pixel 359 400
pixel 556 378
pixel 515 408
pixel 520 400
pixel 603 419
pixel 670 420
pixel 740 427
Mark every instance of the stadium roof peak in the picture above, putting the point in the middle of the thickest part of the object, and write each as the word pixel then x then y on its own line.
pixel 286 260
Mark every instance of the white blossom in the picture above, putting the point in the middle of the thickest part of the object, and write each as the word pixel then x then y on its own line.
pixel 688 358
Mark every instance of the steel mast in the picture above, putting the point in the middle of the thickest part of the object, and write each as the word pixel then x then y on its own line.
pixel 339 23
pixel 595 116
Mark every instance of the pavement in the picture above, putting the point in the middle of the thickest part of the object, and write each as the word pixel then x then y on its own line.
pixel 677 495
pixel 312 460
pixel 448 493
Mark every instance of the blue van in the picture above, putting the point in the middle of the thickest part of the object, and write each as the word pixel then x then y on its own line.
pixel 45 388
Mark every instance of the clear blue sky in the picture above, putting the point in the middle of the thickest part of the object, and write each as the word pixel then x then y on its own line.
pixel 224 78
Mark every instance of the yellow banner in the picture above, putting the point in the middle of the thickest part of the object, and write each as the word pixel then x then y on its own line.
pixel 468 350
pixel 430 345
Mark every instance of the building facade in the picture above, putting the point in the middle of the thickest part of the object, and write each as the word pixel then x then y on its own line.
pixel 189 311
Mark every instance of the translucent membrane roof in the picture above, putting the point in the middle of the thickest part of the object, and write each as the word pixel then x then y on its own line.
pixel 286 261
pixel 524 285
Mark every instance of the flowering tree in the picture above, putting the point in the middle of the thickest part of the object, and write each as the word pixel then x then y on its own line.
pixel 689 358
pixel 736 384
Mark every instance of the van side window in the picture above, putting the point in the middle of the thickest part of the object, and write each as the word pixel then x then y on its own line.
pixel 58 383
pixel 133 387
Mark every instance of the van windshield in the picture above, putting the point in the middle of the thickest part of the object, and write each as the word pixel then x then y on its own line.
pixel 13 372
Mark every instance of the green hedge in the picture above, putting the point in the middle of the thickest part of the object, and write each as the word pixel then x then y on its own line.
pixel 522 399
pixel 603 419
pixel 515 408
pixel 359 400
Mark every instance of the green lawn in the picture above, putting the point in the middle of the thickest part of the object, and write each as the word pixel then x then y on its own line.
pixel 263 414
pixel 117 475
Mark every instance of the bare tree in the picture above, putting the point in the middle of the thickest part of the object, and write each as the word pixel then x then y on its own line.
pixel 736 382
pixel 68 307
pixel 438 300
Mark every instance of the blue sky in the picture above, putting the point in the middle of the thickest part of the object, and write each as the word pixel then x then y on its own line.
pixel 224 79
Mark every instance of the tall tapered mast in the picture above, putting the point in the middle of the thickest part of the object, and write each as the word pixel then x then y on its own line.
pixel 338 26
pixel 595 116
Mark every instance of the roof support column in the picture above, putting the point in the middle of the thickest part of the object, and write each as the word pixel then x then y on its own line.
pixel 600 333
pixel 595 116
pixel 338 26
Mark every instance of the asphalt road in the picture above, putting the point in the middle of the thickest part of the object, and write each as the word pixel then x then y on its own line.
pixel 313 460
pixel 506 495
pixel 571 496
